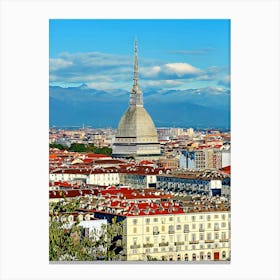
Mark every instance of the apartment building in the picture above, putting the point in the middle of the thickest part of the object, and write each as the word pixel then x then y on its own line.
pixel 169 231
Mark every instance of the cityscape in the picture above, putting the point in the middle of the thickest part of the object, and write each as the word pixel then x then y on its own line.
pixel 127 181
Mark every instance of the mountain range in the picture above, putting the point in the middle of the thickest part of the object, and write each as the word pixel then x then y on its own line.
pixel 207 107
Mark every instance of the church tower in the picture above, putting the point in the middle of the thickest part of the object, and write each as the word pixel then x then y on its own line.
pixel 136 134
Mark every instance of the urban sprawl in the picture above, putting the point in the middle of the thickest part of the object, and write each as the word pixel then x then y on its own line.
pixel 175 208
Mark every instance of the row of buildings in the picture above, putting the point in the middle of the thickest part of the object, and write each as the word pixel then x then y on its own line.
pixel 155 225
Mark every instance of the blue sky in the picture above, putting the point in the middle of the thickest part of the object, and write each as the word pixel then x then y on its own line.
pixel 173 54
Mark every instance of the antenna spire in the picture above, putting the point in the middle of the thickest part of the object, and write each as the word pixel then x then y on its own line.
pixel 135 78
pixel 136 98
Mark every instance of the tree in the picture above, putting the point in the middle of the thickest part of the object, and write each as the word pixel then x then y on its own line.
pixel 58 146
pixel 67 242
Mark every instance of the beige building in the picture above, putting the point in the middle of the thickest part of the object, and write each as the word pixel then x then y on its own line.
pixel 98 177
pixel 198 236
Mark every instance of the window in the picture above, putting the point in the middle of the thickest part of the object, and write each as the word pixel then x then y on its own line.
pixel 216 235
pixel 147 239
pixel 155 230
pixel 178 219
pixel 134 240
pixel 171 229
pixel 193 237
pixel 216 217
pixel 223 225
pixel 208 217
pixel 178 227
pixel 178 237
pixel 193 218
pixel 178 257
pixel 186 257
pixel 201 256
pixel 193 226
pixel 170 219
pixel 201 217
pixel 186 228
pixel 134 230
pixel 134 221
pixel 201 236
pixel 147 229
pixel 194 257
pixel 223 235
pixel 155 220
pixel 209 256
pixel 209 225
pixel 224 254
pixel 163 228
pixel 223 217
pixel 148 220
pixel 209 236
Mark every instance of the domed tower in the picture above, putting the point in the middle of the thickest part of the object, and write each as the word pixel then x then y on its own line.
pixel 136 134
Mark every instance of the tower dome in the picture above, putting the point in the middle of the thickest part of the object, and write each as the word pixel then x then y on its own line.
pixel 136 134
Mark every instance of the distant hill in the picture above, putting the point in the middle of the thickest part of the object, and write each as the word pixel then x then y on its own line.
pixel 199 108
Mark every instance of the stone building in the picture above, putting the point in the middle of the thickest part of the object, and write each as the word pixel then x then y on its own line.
pixel 136 135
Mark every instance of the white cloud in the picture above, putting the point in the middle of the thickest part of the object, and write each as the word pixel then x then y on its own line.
pixel 103 70
pixel 59 63
pixel 180 69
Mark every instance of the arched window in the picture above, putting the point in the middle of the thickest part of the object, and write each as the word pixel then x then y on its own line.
pixel 186 257
pixel 194 257
pixel 224 254
pixel 209 256
pixel 178 257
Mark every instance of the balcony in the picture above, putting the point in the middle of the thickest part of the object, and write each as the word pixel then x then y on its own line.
pixel 171 231
pixel 162 244
pixel 179 243
pixel 135 246
pixel 148 245
pixel 156 233
pixel 209 241
pixel 224 240
pixel 194 242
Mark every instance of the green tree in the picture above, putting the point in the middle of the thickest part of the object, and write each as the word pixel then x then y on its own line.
pixel 58 146
pixel 77 147
pixel 68 243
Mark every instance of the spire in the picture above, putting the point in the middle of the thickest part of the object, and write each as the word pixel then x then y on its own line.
pixel 136 93
pixel 135 78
